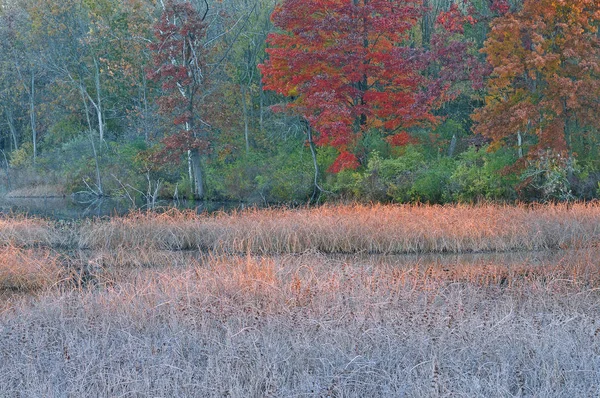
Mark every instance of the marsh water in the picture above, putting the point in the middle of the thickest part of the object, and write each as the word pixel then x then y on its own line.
pixel 75 208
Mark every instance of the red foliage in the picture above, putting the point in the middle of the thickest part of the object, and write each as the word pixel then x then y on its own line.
pixel 172 145
pixel 454 19
pixel 345 161
pixel 454 57
pixel 348 68
pixel 400 139
pixel 178 58
pixel 500 7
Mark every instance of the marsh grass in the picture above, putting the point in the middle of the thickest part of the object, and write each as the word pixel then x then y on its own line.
pixel 575 267
pixel 22 231
pixel 353 229
pixel 311 325
pixel 309 302
pixel 24 270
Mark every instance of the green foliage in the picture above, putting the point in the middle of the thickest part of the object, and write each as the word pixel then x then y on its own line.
pixel 397 175
pixel 76 160
pixel 292 178
pixel 282 177
pixel 185 188
pixel 22 157
pixel 384 179
pixel 373 141
pixel 235 180
pixel 62 131
pixel 449 128
pixel 433 183
pixel 479 176
pixel 118 163
pixel 346 184
pixel 129 152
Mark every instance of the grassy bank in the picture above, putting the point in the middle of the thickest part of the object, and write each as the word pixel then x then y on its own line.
pixel 311 325
pixel 38 191
pixel 351 229
pixel 376 229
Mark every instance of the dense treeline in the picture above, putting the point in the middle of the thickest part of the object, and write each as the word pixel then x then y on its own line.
pixel 291 101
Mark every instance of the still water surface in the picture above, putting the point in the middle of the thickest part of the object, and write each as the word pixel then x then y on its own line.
pixel 68 208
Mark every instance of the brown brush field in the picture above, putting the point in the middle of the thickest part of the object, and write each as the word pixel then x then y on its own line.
pixel 21 231
pixel 358 228
pixel 290 303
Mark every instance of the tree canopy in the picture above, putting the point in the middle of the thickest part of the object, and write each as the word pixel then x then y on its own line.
pixel 277 100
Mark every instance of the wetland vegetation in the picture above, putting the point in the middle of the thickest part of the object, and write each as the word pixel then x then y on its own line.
pixel 356 300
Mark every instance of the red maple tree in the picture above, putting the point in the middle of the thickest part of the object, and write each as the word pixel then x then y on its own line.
pixel 348 67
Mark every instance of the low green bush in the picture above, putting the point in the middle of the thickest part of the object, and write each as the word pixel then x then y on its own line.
pixel 480 175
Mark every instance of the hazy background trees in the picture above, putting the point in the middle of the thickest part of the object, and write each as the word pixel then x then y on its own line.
pixel 131 98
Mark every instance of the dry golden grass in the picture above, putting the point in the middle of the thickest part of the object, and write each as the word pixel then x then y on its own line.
pixel 357 228
pixel 24 231
pixel 282 282
pixel 28 270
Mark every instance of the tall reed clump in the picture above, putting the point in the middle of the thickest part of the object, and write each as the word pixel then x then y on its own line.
pixel 356 228
pixel 26 270
pixel 21 231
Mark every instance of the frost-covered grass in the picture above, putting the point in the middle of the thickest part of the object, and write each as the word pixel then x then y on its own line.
pixel 193 325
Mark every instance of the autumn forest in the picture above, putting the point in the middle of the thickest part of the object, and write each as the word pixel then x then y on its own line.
pixel 297 101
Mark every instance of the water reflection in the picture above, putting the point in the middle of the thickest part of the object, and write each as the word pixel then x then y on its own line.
pixel 74 208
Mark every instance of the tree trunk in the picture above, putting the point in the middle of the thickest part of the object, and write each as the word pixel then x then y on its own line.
pixel 198 181
pixel 317 188
pixel 145 118
pixel 91 136
pixel 98 104
pixel 261 115
pixel 190 171
pixel 452 146
pixel 568 139
pixel 13 130
pixel 7 170
pixel 363 85
pixel 32 117
pixel 245 110
pixel 426 24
